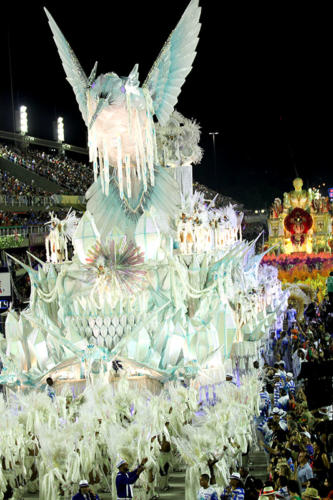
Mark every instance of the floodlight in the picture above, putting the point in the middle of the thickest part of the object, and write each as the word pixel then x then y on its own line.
pixel 60 129
pixel 23 120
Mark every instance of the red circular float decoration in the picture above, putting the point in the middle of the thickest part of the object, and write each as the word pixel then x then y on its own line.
pixel 298 223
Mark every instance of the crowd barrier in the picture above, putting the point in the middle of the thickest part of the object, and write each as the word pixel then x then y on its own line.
pixel 42 201
pixel 68 200
pixel 24 201
pixel 24 231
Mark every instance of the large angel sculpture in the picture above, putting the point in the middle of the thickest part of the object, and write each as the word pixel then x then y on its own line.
pixel 119 112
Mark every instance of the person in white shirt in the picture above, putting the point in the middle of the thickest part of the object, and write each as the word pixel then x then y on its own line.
pixel 298 358
pixel 206 492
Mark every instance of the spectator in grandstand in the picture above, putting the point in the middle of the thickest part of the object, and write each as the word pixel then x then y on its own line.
pixel 304 471
pixel 73 176
pixel 299 443
pixel 282 488
pixel 16 189
pixel 235 490
pixel 293 490
pixel 321 465
pixel 23 219
pixel 310 494
pixel 28 218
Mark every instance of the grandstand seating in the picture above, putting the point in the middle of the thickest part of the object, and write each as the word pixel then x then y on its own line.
pixel 55 174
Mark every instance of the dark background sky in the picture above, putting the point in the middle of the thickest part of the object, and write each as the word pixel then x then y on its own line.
pixel 262 78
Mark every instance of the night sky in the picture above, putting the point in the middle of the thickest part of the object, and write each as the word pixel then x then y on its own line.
pixel 261 79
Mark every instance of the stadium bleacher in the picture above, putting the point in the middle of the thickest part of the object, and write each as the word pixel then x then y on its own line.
pixel 56 174
pixel 32 183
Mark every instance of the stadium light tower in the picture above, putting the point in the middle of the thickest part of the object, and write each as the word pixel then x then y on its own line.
pixel 60 129
pixel 23 120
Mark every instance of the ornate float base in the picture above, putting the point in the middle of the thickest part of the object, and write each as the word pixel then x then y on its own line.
pixel 137 382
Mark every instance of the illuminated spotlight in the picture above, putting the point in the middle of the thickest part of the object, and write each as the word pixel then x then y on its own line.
pixel 263 211
pixel 256 211
pixel 60 129
pixel 23 120
pixel 324 184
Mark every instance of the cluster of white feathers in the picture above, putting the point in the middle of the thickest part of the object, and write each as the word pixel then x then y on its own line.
pixel 51 446
pixel 197 206
pixel 178 141
pixel 67 226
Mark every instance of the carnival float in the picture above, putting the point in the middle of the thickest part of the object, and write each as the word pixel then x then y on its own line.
pixel 302 223
pixel 161 296
pixel 301 241
pixel 160 278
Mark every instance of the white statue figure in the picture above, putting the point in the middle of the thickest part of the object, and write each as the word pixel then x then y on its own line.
pixel 61 231
pixel 186 235
pixel 181 230
pixel 240 218
pixel 219 231
pixel 201 232
pixel 189 236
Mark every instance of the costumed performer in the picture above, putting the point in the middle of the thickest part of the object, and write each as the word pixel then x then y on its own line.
pixel 291 314
pixel 270 349
pixel 49 389
pixel 164 462
pixel 125 479
pixel 206 492
pixel 231 379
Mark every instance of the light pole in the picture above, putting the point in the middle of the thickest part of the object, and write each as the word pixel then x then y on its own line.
pixel 213 134
pixel 60 129
pixel 23 120
pixel 60 133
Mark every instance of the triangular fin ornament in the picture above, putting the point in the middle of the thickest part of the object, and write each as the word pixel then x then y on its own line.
pixel 92 74
pixel 133 77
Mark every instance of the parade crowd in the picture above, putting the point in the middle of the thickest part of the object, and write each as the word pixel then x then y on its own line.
pixel 30 218
pixel 74 177
pixel 16 189
pixel 293 428
pixel 24 219
pixel 108 443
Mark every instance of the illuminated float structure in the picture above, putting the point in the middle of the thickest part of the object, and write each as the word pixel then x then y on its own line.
pixel 302 223
pixel 161 280
pixel 300 243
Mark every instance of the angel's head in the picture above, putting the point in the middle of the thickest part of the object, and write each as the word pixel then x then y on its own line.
pixel 109 86
pixel 108 96
pixel 54 220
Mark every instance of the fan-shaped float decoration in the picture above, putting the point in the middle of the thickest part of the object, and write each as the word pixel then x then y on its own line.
pixel 116 265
